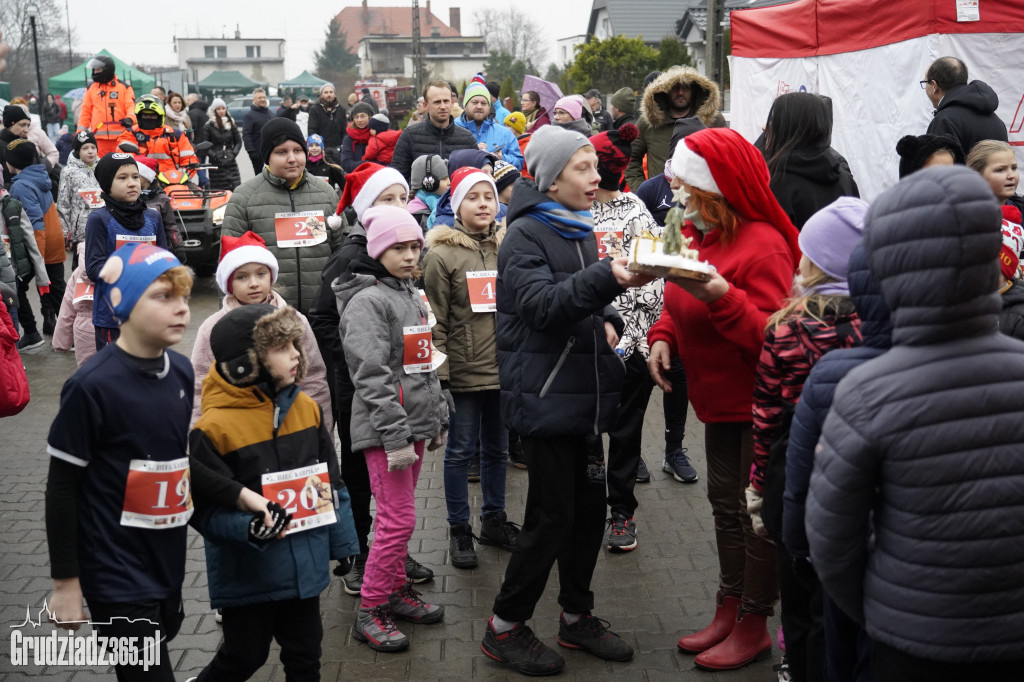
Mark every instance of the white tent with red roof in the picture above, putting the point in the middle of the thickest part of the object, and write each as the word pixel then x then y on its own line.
pixel 869 56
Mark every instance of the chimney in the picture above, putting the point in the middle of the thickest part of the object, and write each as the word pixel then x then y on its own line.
pixel 238 32
pixel 430 14
pixel 366 13
pixel 455 19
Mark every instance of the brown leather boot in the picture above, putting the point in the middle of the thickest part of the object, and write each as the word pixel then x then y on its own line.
pixel 748 642
pixel 720 627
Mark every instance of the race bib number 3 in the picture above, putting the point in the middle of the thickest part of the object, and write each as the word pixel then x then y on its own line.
pixel 305 493
pixel 91 197
pixel 122 239
pixel 482 285
pixel 419 353
pixel 299 230
pixel 157 495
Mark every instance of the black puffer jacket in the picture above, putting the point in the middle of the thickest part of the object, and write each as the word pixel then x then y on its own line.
pixel 558 375
pixel 328 124
pixel 914 514
pixel 226 145
pixel 811 180
pixel 426 138
pixel 197 113
pixel 968 114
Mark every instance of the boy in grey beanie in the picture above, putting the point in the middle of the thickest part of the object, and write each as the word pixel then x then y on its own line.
pixel 550 149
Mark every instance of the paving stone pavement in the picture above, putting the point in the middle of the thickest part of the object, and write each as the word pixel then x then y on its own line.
pixel 651 595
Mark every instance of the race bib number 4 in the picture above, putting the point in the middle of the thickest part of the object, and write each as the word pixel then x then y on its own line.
pixel 91 197
pixel 419 353
pixel 83 291
pixel 305 493
pixel 299 230
pixel 482 285
pixel 122 239
pixel 157 495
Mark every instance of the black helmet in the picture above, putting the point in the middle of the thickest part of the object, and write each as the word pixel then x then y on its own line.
pixel 102 61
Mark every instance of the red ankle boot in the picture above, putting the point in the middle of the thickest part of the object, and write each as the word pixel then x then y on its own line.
pixel 720 627
pixel 748 642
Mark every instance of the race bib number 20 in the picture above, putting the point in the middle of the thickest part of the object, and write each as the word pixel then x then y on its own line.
pixel 157 495
pixel 305 493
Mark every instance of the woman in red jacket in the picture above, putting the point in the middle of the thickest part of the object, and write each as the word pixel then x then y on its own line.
pixel 717 329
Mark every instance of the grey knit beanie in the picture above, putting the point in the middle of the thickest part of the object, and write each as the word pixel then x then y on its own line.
pixel 549 151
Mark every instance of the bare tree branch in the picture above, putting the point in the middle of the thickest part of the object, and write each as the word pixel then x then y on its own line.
pixel 513 32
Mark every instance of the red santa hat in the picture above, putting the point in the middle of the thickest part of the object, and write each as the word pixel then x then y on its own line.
pixel 721 161
pixel 147 167
pixel 363 186
pixel 1013 242
pixel 238 251
pixel 463 180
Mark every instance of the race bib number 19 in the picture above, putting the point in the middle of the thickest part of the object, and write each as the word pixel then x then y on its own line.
pixel 157 495
pixel 299 230
pixel 419 353
pixel 305 493
pixel 482 285
pixel 84 291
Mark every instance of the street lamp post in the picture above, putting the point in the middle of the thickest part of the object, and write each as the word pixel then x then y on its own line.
pixel 39 72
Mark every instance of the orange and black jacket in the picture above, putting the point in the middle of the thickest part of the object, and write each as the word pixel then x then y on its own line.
pixel 170 148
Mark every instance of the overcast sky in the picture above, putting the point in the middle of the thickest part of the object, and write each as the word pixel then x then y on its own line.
pixel 151 42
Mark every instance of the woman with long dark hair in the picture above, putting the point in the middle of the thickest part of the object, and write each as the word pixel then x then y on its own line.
pixel 222 131
pixel 807 174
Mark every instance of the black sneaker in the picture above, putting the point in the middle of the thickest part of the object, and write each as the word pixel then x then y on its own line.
pixel 642 474
pixel 353 582
pixel 677 464
pixel 30 341
pixel 592 635
pixel 460 545
pixel 521 649
pixel 496 530
pixel 415 572
pixel 474 469
pixel 622 535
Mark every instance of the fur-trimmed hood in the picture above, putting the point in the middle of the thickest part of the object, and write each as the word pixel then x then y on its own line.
pixel 278 328
pixel 456 236
pixel 706 98
pixel 244 335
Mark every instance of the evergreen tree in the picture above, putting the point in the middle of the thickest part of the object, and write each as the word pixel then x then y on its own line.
pixel 508 89
pixel 334 59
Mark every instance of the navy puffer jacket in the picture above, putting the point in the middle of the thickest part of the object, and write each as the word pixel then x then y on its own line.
pixel 558 375
pixel 819 389
pixel 914 515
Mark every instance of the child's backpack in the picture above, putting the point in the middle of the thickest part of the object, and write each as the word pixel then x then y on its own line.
pixel 14 395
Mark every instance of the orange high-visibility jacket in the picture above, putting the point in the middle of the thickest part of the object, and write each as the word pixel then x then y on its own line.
pixel 167 146
pixel 104 105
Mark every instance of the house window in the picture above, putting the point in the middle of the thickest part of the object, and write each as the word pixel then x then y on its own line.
pixel 606 26
pixel 252 51
pixel 215 52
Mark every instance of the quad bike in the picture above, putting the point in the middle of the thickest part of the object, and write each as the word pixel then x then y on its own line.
pixel 198 212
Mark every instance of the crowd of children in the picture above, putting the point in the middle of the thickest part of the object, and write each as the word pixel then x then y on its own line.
pixel 488 302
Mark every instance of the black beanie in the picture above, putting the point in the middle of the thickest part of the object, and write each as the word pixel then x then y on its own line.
pixel 360 108
pixel 20 153
pixel 107 167
pixel 277 131
pixel 12 114
pixel 915 150
pixel 82 138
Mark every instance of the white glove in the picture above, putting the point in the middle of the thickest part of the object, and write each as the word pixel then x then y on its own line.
pixel 438 441
pixel 754 504
pixel 402 458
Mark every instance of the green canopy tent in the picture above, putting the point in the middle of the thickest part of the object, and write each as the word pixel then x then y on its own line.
pixel 303 84
pixel 81 76
pixel 226 82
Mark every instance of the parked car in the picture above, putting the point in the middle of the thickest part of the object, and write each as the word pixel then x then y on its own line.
pixel 239 107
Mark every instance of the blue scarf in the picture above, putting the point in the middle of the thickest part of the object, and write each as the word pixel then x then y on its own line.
pixel 569 224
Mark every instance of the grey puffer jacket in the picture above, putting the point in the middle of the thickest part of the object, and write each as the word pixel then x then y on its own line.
pixel 71 207
pixel 914 515
pixel 391 408
pixel 253 206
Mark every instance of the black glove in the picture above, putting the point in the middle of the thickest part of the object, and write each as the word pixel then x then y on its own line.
pixel 126 122
pixel 260 532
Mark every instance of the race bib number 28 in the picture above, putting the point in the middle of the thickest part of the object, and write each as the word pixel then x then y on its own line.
pixel 157 495
pixel 299 230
